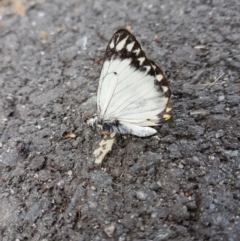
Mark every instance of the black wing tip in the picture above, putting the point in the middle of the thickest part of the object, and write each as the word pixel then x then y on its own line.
pixel 122 30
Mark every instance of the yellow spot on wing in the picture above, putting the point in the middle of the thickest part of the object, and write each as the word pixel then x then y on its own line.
pixel 167 117
pixel 168 109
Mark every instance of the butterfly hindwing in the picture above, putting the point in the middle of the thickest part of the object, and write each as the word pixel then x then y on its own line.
pixel 132 89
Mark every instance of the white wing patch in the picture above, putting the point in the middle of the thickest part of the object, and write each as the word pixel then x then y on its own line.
pixel 165 89
pixel 111 44
pixel 130 46
pixel 141 60
pixel 159 77
pixel 137 51
pixel 121 44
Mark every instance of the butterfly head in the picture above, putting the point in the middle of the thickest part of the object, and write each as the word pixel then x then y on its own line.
pixel 106 129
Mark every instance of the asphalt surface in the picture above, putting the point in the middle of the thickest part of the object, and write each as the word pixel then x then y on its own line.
pixel 183 184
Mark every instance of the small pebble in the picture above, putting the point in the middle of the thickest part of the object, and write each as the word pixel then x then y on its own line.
pixel 109 230
pixel 221 98
pixel 141 195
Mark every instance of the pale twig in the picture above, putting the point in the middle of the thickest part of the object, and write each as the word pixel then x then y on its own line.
pixel 214 82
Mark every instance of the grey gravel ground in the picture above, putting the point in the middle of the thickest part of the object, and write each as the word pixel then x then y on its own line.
pixel 183 184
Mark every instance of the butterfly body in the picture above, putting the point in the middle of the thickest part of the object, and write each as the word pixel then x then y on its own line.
pixel 133 92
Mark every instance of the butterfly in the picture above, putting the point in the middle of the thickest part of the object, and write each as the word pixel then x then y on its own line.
pixel 133 93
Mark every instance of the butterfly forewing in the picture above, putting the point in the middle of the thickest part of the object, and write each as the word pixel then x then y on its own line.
pixel 132 89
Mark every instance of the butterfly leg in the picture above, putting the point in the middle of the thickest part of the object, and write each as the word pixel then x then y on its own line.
pixel 99 127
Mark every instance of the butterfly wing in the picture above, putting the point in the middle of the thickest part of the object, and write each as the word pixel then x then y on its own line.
pixel 132 89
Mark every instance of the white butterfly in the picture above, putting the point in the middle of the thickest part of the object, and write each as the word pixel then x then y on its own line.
pixel 133 92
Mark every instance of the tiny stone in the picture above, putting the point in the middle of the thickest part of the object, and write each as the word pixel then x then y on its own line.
pixel 159 184
pixel 154 215
pixel 121 239
pixel 212 206
pixel 219 134
pixel 221 98
pixel 60 184
pixel 141 195
pixel 109 230
pixel 180 165
pixel 93 188
pixel 232 153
